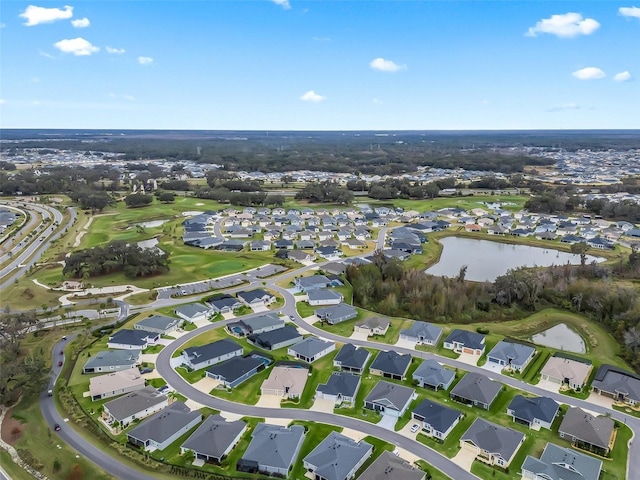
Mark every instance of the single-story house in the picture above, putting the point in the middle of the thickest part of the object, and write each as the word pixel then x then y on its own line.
pixel 583 430
pixel 134 406
pixel 117 383
pixel 492 444
pixel 328 253
pixel 260 246
pixel 192 312
pixel 206 355
pixel 236 370
pixel 391 467
pixel 373 326
pixel 335 268
pixel 165 427
pixel 390 398
pixel 390 364
pixel 299 255
pixel 435 419
pixel 477 390
pixel 509 355
pixel 336 313
pixel 256 325
pixel 256 297
pixel 337 457
pixel 112 361
pixel 341 387
pixel 132 339
pixel 559 463
pixel 422 333
pixel 224 305
pixel 213 440
pixel 618 384
pixel 311 349
pixel 566 371
pixel 321 297
pixel 314 282
pixel 272 449
pixel 275 339
pixel 536 412
pixel 351 359
pixel 286 382
pixel 433 375
pixel 464 341
pixel 159 324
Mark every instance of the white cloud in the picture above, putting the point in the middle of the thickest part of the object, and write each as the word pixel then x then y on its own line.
pixel 385 65
pixel 114 51
pixel 565 26
pixel 37 15
pixel 283 3
pixel 2 101
pixel 622 76
pixel 377 101
pixel 145 60
pixel 312 96
pixel 629 12
pixel 81 23
pixel 563 108
pixel 321 39
pixel 46 55
pixel 77 46
pixel 589 73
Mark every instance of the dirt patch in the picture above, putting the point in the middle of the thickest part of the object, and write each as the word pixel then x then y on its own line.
pixel 11 428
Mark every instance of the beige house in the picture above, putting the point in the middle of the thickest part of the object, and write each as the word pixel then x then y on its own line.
pixel 565 371
pixel 373 326
pixel 286 382
pixel 117 383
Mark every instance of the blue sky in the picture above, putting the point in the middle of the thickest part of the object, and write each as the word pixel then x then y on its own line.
pixel 320 65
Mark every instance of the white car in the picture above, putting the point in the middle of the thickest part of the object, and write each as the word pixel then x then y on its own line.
pixel 414 428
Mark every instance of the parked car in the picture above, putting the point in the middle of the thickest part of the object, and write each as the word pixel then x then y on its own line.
pixel 414 428
pixel 163 389
pixel 56 427
pixel 50 393
pixel 146 370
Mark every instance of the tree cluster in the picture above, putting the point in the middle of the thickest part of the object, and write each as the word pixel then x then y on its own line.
pixel 325 192
pixel 138 200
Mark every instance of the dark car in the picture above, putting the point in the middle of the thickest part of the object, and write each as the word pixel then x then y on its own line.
pixel 56 427
pixel 61 352
pixel 146 370
pixel 60 363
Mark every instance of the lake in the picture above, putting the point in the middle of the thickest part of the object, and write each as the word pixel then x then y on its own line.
pixel 562 338
pixel 486 260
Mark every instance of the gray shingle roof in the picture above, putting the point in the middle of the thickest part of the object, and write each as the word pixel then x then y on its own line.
pixel 426 330
pixel 116 358
pixel 274 337
pixel 323 294
pixel 559 463
pixel 273 445
pixel 340 383
pixel 493 438
pixel 252 295
pixel 474 386
pixel 438 416
pixel 134 402
pixel 391 362
pixel 214 436
pixel 159 322
pixel 542 408
pixel 584 426
pixel 516 352
pixel 212 350
pixel 391 467
pixel 432 373
pixel 390 395
pixel 234 368
pixel 161 426
pixel 310 347
pixel 131 337
pixel 352 357
pixel 262 321
pixel 192 309
pixel 336 312
pixel 613 380
pixel 336 456
pixel 468 339
pixel 312 281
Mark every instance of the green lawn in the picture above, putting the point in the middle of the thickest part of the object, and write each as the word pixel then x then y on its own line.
pixel 346 328
pixel 321 370
pixel 316 432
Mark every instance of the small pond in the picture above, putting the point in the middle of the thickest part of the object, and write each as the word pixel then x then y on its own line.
pixel 561 337
pixel 486 260
pixel 151 223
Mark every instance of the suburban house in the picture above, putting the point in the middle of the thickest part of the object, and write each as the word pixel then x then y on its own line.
pixel 193 312
pixel 390 398
pixel 286 382
pixel 477 390
pixel 492 444
pixel 335 268
pixel 391 467
pixel 431 374
pixel 565 371
pixel 337 457
pixel 583 430
pixel 559 463
pixel 314 282
pixel 422 333
pixel 299 255
pixel 336 313
pixel 435 419
pixel 373 326
pixel 159 324
pixel 618 384
pixel 341 387
pixel 351 359
pixel 117 383
pixel 390 364
pixel 311 349
pixel 134 405
pixel 512 356
pixel 236 370
pixel 536 412
pixel 224 305
pixel 206 355
pixel 112 361
pixel 328 253
pixel 165 427
pixel 464 341
pixel 132 339
pixel 256 325
pixel 275 339
pixel 323 296
pixel 258 297
pixel 272 449
pixel 213 440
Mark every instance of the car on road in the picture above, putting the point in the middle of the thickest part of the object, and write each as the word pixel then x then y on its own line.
pixel 61 352
pixel 60 363
pixel 56 427
pixel 414 428
pixel 64 338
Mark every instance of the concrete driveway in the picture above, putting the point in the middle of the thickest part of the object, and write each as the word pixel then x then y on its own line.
pixel 269 401
pixel 492 367
pixel 206 384
pixel 259 309
pixel 464 459
pixel 468 358
pixel 388 421
pixel 322 405
pixel 359 336
pixel 548 385
pixel 406 344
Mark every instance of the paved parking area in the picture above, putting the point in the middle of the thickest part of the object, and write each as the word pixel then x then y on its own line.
pixel 268 270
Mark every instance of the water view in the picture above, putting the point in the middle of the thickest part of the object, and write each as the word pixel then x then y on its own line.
pixel 486 260
pixel 152 223
pixel 561 337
